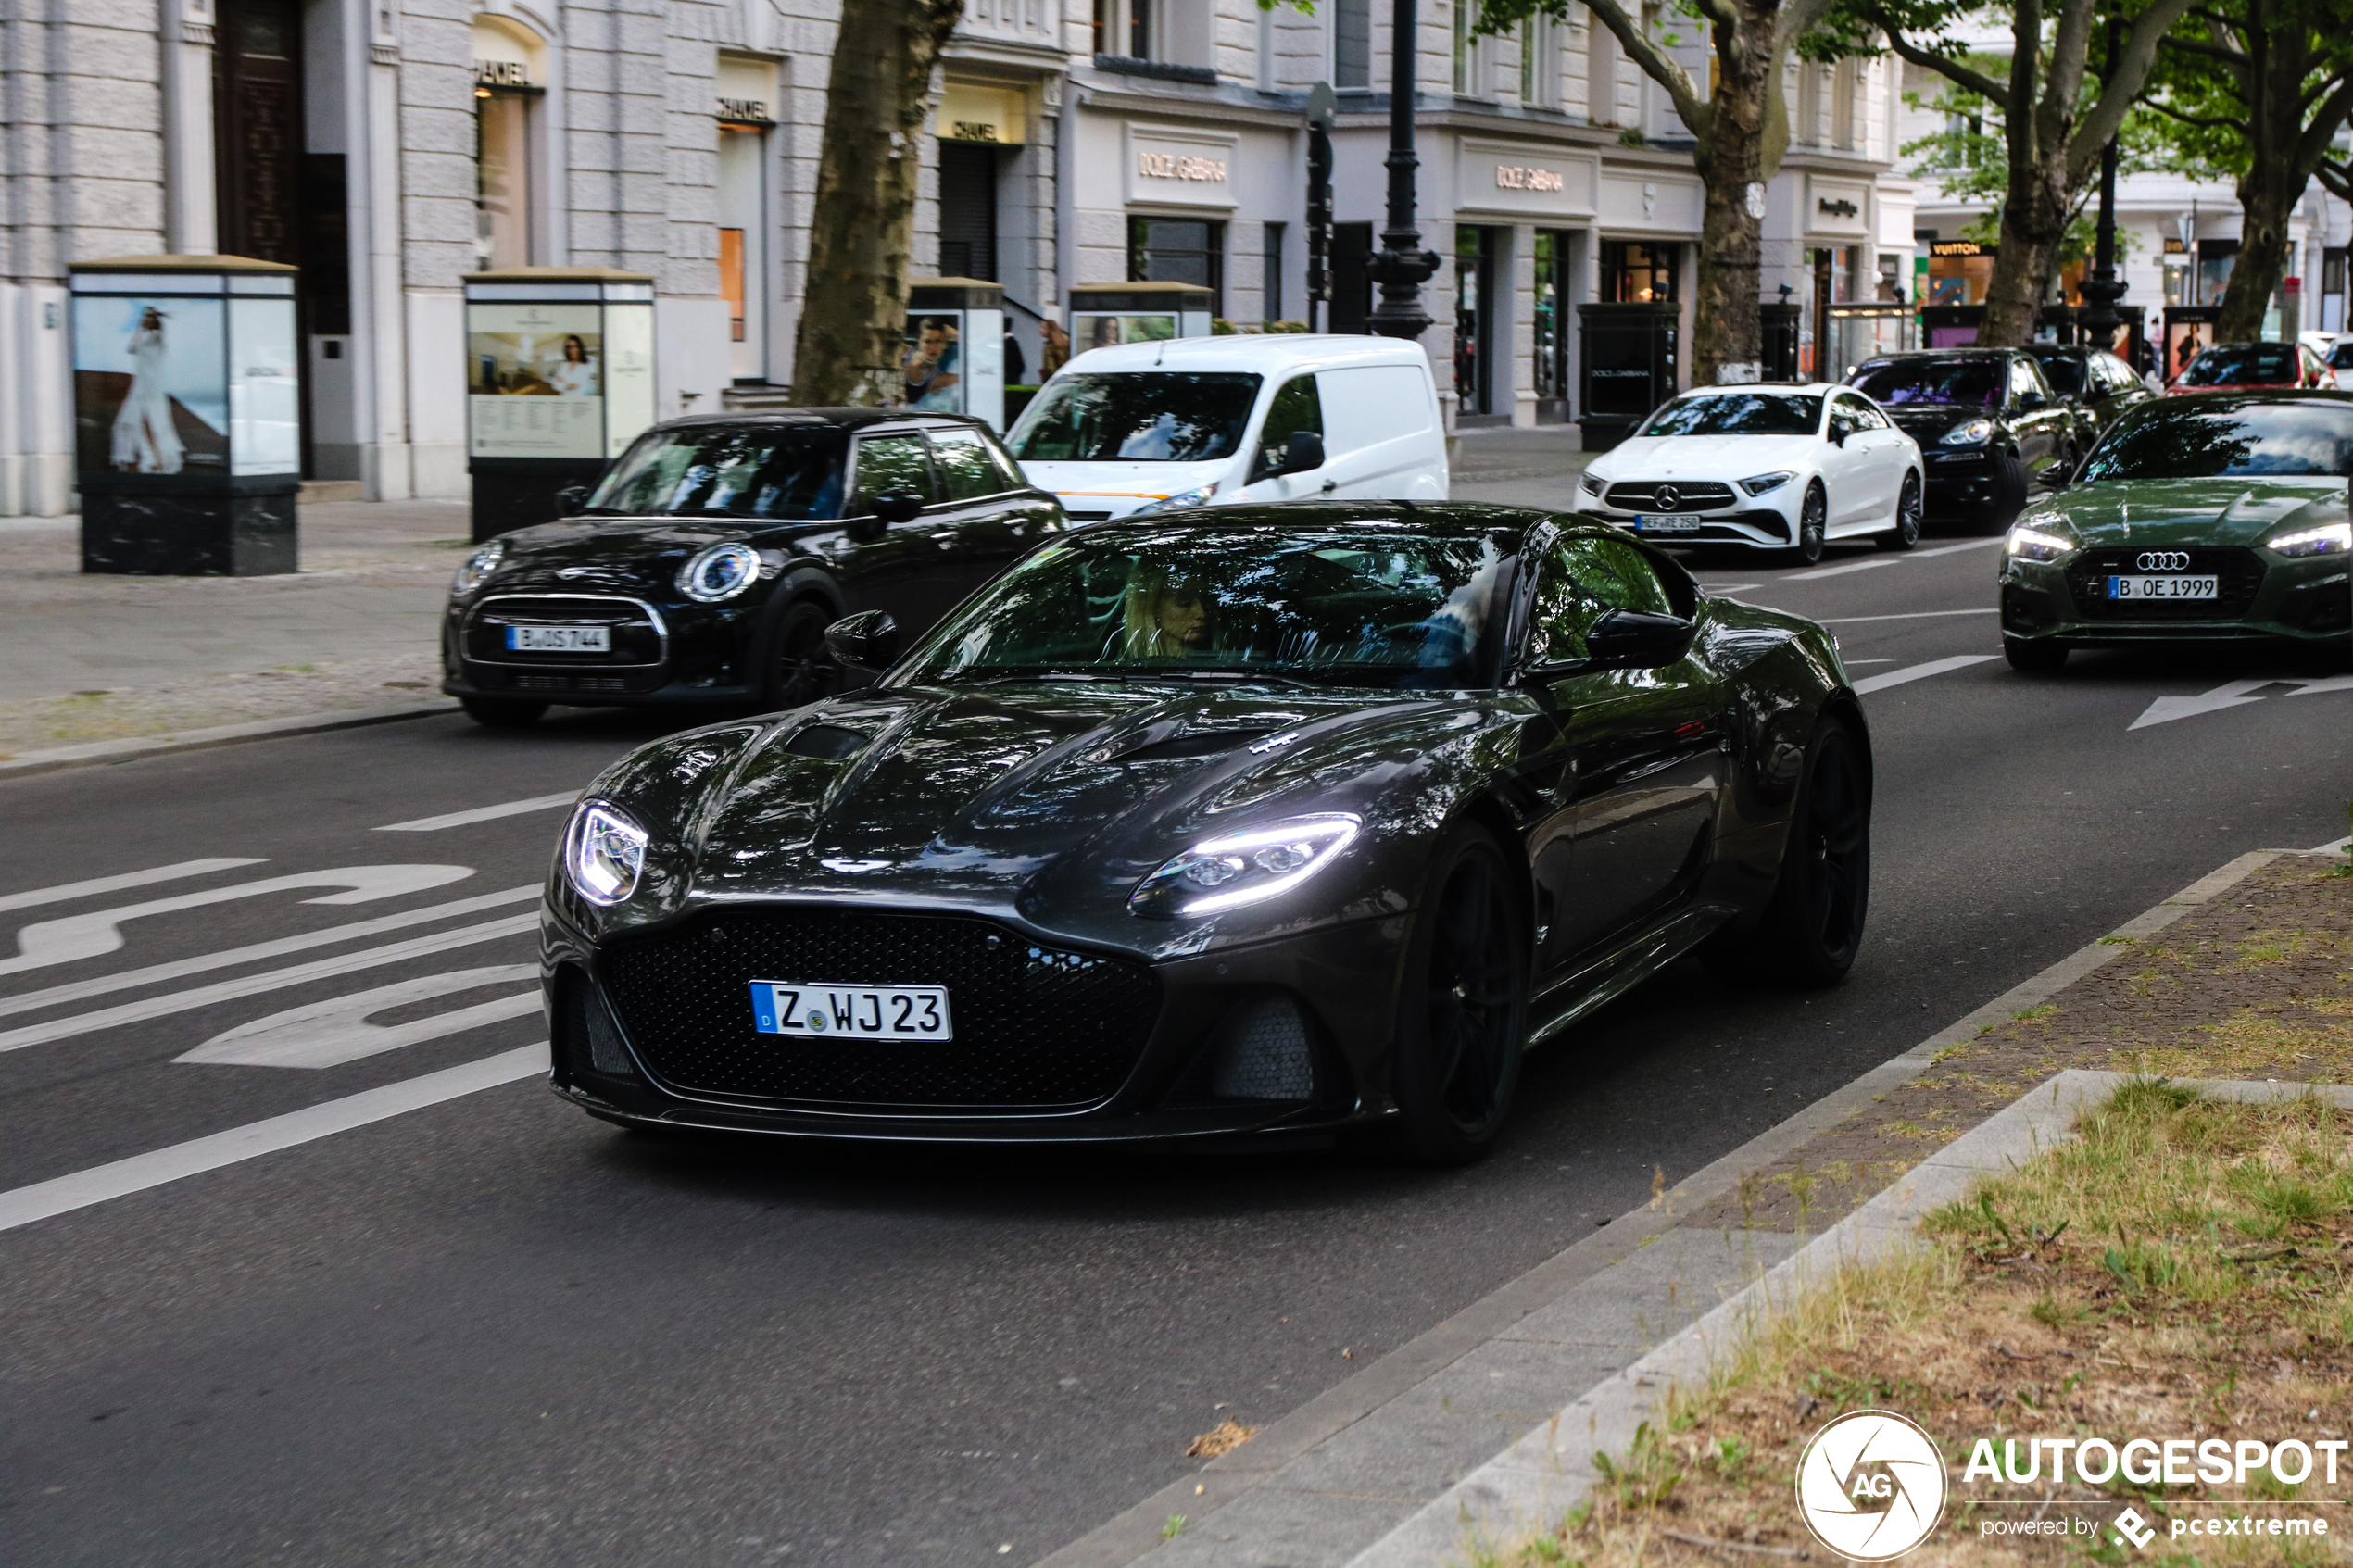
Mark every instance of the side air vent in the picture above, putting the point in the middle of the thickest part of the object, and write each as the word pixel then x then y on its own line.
pixel 1263 1052
pixel 589 1041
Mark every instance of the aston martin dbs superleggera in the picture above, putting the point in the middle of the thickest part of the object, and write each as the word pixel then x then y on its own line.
pixel 1278 820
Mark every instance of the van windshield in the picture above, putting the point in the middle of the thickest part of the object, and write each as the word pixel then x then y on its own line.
pixel 1136 417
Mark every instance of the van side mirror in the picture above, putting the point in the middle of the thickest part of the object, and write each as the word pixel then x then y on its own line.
pixel 571 498
pixel 1637 639
pixel 1304 453
pixel 868 640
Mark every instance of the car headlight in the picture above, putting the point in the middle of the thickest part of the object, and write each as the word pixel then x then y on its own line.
pixel 1242 868
pixel 2034 543
pixel 2327 538
pixel 719 572
pixel 1182 501
pixel 1592 482
pixel 604 851
pixel 1977 432
pixel 1761 483
pixel 476 569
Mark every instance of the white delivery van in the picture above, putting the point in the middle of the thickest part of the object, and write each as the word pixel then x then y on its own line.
pixel 1215 422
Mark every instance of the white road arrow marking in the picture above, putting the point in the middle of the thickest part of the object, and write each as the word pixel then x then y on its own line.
pixel 2325 684
pixel 83 1188
pixel 482 814
pixel 330 1032
pixel 1921 672
pixel 2231 693
pixel 100 931
pixel 98 885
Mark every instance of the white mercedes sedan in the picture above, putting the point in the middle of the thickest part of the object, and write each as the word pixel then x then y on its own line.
pixel 1772 467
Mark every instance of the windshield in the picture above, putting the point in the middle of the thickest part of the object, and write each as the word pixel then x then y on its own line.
pixel 759 472
pixel 1354 606
pixel 2211 438
pixel 1136 417
pixel 2064 371
pixel 1738 413
pixel 2242 364
pixel 2341 357
pixel 1974 383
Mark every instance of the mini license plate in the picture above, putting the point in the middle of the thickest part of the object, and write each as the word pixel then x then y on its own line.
pixel 1667 524
pixel 865 1012
pixel 2164 588
pixel 559 639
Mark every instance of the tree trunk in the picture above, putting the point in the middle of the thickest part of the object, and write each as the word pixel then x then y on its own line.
pixel 2034 225
pixel 1728 334
pixel 854 302
pixel 2262 258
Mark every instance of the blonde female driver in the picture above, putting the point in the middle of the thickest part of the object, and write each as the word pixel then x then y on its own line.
pixel 1164 617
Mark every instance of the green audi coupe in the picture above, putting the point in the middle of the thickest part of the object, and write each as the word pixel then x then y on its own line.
pixel 2222 516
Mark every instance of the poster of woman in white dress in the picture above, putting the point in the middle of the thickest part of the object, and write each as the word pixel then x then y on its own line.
pixel 150 385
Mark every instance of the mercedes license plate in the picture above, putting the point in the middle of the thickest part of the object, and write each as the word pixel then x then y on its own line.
pixel 865 1012
pixel 1667 524
pixel 2164 588
pixel 559 639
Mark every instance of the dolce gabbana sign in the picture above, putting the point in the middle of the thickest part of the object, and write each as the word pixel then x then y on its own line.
pixel 1543 183
pixel 1180 168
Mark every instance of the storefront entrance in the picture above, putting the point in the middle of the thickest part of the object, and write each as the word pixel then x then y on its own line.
pixel 1475 250
pixel 1550 350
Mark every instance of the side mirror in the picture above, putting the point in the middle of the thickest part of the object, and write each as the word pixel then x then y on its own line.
pixel 868 640
pixel 1837 433
pixel 1635 639
pixel 899 506
pixel 1304 453
pixel 2028 402
pixel 2056 476
pixel 571 498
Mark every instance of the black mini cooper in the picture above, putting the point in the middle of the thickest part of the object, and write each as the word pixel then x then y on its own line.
pixel 706 565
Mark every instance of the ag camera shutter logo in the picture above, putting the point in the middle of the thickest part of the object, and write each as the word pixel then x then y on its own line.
pixel 1870 1485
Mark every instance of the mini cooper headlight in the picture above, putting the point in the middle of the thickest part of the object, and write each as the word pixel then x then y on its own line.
pixel 2034 543
pixel 1183 500
pixel 2327 538
pixel 477 568
pixel 719 572
pixel 604 851
pixel 1242 868
pixel 1592 482
pixel 1977 432
pixel 1759 484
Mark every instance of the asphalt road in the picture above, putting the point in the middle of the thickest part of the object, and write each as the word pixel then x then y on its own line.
pixel 492 1331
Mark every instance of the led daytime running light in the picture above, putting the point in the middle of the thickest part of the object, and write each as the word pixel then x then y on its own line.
pixel 2035 545
pixel 604 853
pixel 2315 541
pixel 1757 485
pixel 476 568
pixel 1977 432
pixel 720 572
pixel 1262 863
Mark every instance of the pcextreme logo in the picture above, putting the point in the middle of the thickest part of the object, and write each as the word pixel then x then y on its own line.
pixel 1870 1485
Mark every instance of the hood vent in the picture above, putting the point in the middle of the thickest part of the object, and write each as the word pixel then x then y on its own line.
pixel 1151 747
pixel 827 743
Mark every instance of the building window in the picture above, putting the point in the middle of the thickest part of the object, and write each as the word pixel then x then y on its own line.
pixel 1180 250
pixel 1465 48
pixel 1473 316
pixel 1552 324
pixel 2215 260
pixel 1601 75
pixel 1845 87
pixel 2333 271
pixel 1636 272
pixel 1352 43
pixel 502 179
pixel 1536 61
pixel 1126 28
pixel 743 247
pixel 968 210
pixel 1270 297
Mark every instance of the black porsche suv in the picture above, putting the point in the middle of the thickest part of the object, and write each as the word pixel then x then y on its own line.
pixel 706 565
pixel 1987 420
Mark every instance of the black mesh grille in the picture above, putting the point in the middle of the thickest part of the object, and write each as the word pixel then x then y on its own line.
pixel 1037 1027
pixel 2239 573
pixel 635 638
pixel 1691 495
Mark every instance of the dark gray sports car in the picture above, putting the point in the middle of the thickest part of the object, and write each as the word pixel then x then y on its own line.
pixel 1278 819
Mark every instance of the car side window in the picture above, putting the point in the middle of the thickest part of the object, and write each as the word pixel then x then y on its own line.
pixel 2025 378
pixel 1582 581
pixel 966 472
pixel 1864 416
pixel 892 462
pixel 1296 407
pixel 1843 421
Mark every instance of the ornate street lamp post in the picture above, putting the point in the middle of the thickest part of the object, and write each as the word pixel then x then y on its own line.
pixel 1402 266
pixel 2102 290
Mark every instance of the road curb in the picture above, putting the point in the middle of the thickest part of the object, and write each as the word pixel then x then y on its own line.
pixel 28 764
pixel 1137 1532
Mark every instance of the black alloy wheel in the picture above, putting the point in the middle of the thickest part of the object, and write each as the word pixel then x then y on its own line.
pixel 800 670
pixel 1461 1016
pixel 502 712
pixel 1812 524
pixel 2009 491
pixel 1906 532
pixel 2034 655
pixel 1814 927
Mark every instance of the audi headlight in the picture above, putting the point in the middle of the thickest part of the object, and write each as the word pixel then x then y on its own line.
pixel 1764 482
pixel 1977 432
pixel 1243 868
pixel 1592 482
pixel 476 569
pixel 2034 543
pixel 1183 500
pixel 604 851
pixel 719 572
pixel 2329 538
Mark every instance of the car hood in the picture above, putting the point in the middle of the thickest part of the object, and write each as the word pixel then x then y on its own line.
pixel 1041 801
pixel 2242 509
pixel 1925 422
pixel 1725 458
pixel 1120 488
pixel 626 554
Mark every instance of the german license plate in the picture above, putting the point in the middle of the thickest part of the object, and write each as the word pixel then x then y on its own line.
pixel 865 1012
pixel 2164 588
pixel 559 639
pixel 1667 524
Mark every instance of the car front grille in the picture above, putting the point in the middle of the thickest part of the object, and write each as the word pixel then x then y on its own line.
pixel 1691 495
pixel 638 632
pixel 2238 574
pixel 1037 1027
pixel 586 685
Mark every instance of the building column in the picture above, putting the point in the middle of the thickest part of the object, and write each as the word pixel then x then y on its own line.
pixel 191 206
pixel 379 325
pixel 1521 322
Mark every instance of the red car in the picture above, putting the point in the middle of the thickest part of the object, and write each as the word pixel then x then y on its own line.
pixel 2243 366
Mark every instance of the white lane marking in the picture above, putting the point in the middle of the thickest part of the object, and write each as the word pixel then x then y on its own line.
pixel 1869 563
pixel 1921 672
pixel 330 1032
pixel 63 1195
pixel 1956 549
pixel 2325 683
pixel 227 958
pixel 1851 663
pixel 1722 588
pixel 98 885
pixel 253 984
pixel 482 814
pixel 2235 693
pixel 100 931
pixel 1913 615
